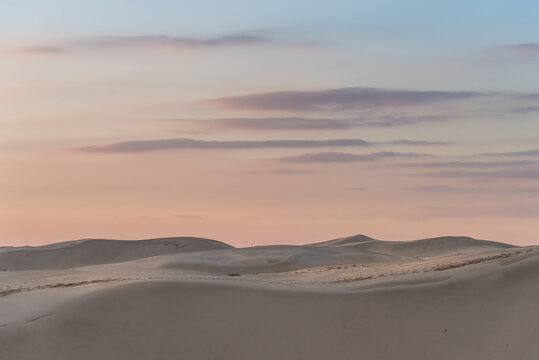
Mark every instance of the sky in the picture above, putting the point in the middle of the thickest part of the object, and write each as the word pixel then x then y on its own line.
pixel 256 122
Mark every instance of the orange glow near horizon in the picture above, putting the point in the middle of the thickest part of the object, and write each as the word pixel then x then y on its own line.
pixel 270 136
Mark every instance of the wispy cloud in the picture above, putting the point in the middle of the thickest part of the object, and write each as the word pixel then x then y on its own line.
pixel 357 188
pixel 453 189
pixel 164 41
pixel 472 164
pixel 401 120
pixel 532 96
pixel 520 173
pixel 186 143
pixel 281 171
pixel 169 144
pixel 437 188
pixel 188 217
pixel 338 99
pixel 269 123
pixel 340 157
pixel 42 50
pixel 520 49
pixel 301 123
pixel 417 142
pixel 516 153
pixel 478 211
pixel 169 217
pixel 525 109
pixel 148 41
pixel 528 191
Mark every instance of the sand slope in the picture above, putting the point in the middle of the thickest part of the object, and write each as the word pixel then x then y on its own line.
pixel 358 249
pixel 485 313
pixel 274 258
pixel 220 257
pixel 425 247
pixel 442 298
pixel 100 251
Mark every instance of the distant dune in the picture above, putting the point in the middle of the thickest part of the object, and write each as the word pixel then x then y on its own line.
pixel 275 258
pixel 355 297
pixel 352 249
pixel 425 247
pixel 100 251
pixel 5 248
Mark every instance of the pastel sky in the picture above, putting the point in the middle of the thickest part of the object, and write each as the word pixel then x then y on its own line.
pixel 257 122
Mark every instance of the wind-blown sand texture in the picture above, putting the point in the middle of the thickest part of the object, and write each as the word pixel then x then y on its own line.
pixel 348 298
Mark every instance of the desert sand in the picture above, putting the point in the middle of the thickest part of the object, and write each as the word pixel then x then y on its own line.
pixel 194 298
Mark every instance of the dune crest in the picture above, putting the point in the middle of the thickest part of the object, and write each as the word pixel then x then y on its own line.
pixel 353 297
pixel 100 251
pixel 472 315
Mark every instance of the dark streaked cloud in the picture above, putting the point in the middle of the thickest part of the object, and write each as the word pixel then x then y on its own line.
pixel 516 153
pixel 281 171
pixel 339 99
pixel 532 96
pixel 416 142
pixel 175 216
pixel 436 188
pixel 528 191
pixel 149 41
pixel 520 49
pixel 271 123
pixel 452 189
pixel 522 173
pixel 525 109
pixel 478 211
pixel 392 121
pixel 340 157
pixel 42 50
pixel 472 164
pixel 186 143
pixel 188 217
pixel 165 41
pixel 301 123
pixel 169 144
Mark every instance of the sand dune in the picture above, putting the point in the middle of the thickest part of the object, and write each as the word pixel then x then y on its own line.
pixel 470 315
pixel 275 258
pixel 353 249
pixel 425 247
pixel 442 298
pixel 100 251
pixel 344 241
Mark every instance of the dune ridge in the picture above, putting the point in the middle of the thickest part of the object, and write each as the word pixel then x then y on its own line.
pixel 224 257
pixel 100 251
pixel 470 315
pixel 353 297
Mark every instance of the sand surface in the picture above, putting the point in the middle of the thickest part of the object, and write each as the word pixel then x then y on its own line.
pixel 192 298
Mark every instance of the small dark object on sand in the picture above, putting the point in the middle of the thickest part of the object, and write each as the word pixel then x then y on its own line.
pixel 233 274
